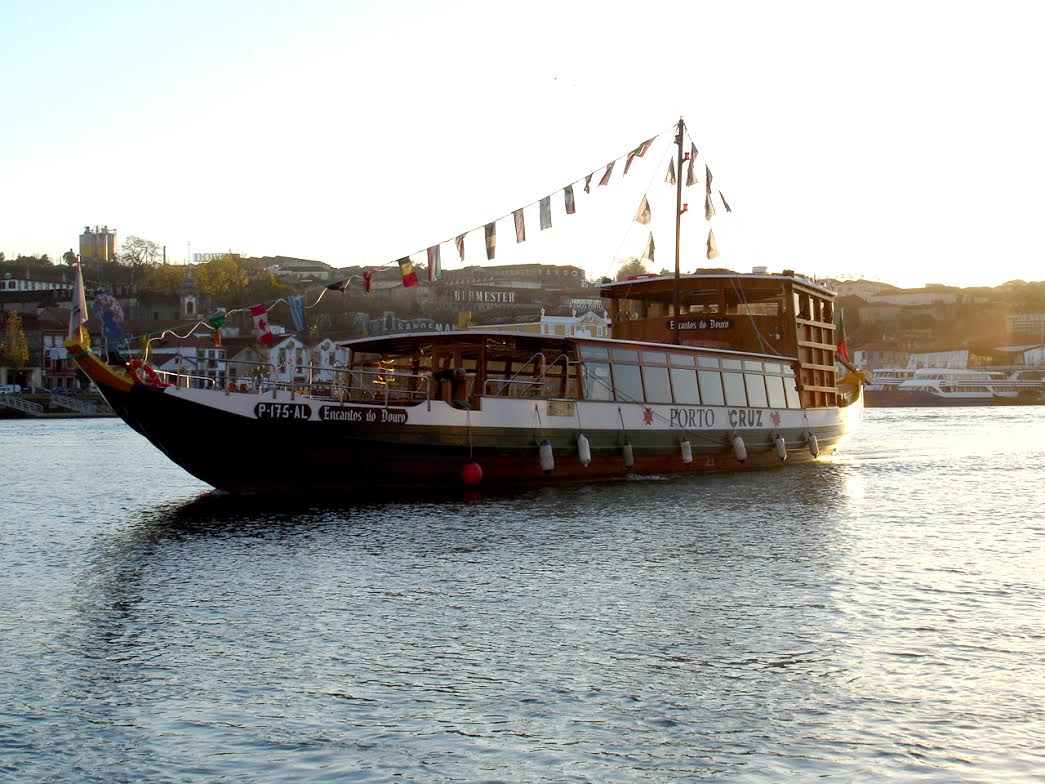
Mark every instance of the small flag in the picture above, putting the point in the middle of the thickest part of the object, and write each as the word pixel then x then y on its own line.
pixel 712 247
pixel 297 312
pixel 707 182
pixel 670 178
pixel 643 215
pixel 216 321
pixel 571 205
pixel 650 248
pixel 520 225
pixel 78 313
pixel 587 182
pixel 261 324
pixel 842 348
pixel 406 269
pixel 724 202
pixel 459 242
pixel 491 240
pixel 546 213
pixel 367 277
pixel 435 264
pixel 217 338
pixel 341 285
pixel 606 177
pixel 691 172
pixel 638 152
pixel 709 207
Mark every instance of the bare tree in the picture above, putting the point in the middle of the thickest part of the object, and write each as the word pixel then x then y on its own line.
pixel 632 267
pixel 138 252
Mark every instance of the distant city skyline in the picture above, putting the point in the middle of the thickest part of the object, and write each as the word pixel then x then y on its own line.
pixel 897 144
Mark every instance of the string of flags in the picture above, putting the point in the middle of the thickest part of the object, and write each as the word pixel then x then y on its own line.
pixel 643 214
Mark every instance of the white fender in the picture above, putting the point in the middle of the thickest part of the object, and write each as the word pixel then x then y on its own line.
pixel 629 455
pixel 547 458
pixel 814 447
pixel 583 450
pixel 687 451
pixel 739 450
pixel 781 448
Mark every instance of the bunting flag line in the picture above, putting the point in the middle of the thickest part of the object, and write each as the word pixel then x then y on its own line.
pixel 341 285
pixel 297 312
pixel 643 214
pixel 650 248
pixel 367 278
pixel 217 321
pixel 459 242
pixel 520 226
pixel 435 264
pixel 587 182
pixel 638 152
pixel 491 240
pixel 670 178
pixel 406 269
pixel 691 172
pixel 724 202
pixel 707 182
pixel 261 324
pixel 606 177
pixel 546 212
pixel 709 207
pixel 571 206
pixel 712 247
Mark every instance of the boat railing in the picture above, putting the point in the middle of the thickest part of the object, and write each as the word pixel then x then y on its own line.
pixel 180 378
pixel 530 386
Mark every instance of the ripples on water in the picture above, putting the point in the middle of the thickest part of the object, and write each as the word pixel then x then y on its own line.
pixel 875 617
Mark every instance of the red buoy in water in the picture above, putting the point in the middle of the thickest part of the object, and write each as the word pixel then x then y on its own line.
pixel 472 474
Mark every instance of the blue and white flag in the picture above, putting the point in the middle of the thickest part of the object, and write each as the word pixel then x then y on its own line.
pixel 297 312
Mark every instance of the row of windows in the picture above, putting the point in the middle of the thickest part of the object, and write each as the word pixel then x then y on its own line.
pixel 685 386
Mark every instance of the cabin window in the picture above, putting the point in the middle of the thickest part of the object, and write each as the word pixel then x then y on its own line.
pixel 654 358
pixel 775 392
pixel 627 383
pixel 711 388
pixel 791 390
pixel 749 365
pixel 625 355
pixel 684 383
pixel 594 352
pixel 708 362
pixel 774 367
pixel 733 384
pixel 732 364
pixel 682 360
pixel 597 384
pixel 658 389
pixel 756 389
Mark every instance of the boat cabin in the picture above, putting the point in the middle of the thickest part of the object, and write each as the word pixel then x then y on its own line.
pixel 782 315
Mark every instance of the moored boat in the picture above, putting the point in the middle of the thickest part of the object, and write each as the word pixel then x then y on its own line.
pixel 709 372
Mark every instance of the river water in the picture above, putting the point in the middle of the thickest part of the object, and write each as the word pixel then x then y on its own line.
pixel 877 617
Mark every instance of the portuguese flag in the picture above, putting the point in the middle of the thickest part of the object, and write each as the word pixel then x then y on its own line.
pixel 841 348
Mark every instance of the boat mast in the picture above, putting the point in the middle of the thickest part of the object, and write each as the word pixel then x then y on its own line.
pixel 678 230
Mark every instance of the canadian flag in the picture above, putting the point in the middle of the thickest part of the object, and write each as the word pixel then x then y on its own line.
pixel 261 323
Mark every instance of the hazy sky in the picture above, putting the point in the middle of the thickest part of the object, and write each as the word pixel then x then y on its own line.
pixel 903 142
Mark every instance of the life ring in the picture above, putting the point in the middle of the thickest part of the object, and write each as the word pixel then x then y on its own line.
pixel 148 376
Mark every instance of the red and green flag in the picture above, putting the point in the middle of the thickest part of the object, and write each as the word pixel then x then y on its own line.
pixel 435 264
pixel 520 225
pixel 571 205
pixel 841 348
pixel 490 229
pixel 638 152
pixel 546 213
pixel 606 177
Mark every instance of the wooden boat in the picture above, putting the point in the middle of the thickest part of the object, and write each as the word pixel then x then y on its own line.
pixel 709 372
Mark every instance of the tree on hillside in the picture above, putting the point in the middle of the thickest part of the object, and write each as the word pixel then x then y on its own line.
pixel 631 267
pixel 222 279
pixel 163 279
pixel 15 348
pixel 137 252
